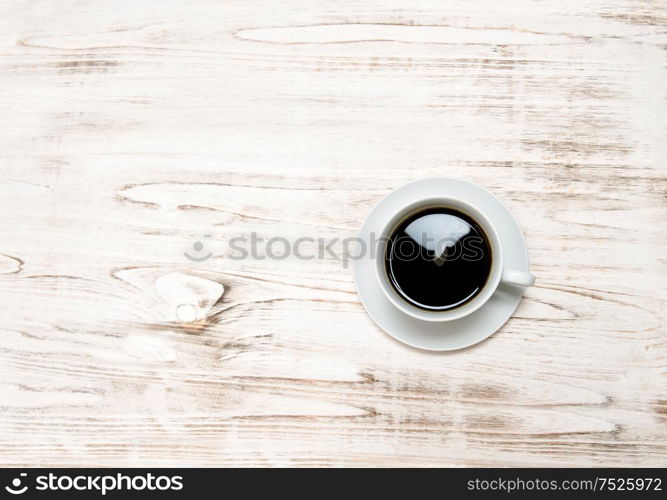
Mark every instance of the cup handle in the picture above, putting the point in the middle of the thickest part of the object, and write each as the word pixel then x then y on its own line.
pixel 518 278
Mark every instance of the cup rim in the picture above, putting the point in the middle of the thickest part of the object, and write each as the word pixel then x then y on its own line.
pixel 466 309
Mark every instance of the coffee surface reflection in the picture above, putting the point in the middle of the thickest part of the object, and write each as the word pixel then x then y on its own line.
pixel 438 259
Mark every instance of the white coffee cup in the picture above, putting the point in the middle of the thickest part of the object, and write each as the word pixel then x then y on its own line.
pixel 498 273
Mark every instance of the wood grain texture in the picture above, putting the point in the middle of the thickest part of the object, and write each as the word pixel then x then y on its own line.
pixel 131 130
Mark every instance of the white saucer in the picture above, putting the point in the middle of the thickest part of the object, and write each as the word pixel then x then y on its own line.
pixel 447 335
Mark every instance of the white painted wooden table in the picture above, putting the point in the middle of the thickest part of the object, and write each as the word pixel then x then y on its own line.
pixel 131 130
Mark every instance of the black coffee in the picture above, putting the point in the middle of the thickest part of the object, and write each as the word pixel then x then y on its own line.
pixel 438 259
